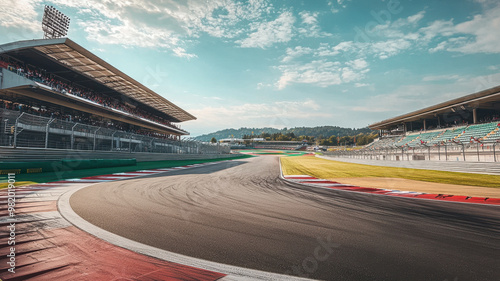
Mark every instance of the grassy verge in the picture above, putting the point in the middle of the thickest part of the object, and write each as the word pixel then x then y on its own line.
pixel 328 169
pixel 275 152
pixel 24 179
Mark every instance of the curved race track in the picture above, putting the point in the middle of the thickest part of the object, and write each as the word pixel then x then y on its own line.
pixel 241 213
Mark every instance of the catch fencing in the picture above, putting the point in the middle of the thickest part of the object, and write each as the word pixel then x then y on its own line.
pixel 476 152
pixel 23 130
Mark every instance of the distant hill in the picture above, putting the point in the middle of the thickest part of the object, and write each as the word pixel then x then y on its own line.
pixel 322 131
pixel 236 133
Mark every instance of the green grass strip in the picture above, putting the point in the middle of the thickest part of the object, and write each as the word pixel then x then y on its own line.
pixel 276 152
pixel 56 176
pixel 329 169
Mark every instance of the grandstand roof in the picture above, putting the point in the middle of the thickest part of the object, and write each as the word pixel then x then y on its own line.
pixel 77 59
pixel 489 98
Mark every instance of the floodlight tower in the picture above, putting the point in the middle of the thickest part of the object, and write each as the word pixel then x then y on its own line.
pixel 54 23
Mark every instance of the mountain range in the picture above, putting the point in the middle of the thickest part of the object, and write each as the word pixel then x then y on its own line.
pixel 317 132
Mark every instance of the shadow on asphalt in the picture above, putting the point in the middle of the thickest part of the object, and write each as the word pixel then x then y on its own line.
pixel 205 169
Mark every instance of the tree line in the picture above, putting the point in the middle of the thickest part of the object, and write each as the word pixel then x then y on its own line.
pixel 320 133
pixel 332 140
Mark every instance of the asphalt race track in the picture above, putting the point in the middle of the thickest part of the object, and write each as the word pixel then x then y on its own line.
pixel 241 213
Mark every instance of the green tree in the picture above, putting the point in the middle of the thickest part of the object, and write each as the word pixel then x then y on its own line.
pixel 213 140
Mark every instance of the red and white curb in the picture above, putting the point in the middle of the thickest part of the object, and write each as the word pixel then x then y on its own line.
pixel 322 183
pixel 54 243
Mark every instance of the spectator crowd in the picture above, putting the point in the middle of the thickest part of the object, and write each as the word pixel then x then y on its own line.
pixel 41 76
pixel 82 118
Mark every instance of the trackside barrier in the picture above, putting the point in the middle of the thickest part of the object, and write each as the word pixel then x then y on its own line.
pixel 473 152
pixel 64 165
pixel 23 130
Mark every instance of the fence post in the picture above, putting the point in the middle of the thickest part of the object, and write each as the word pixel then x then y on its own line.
pixel 47 132
pixel 463 151
pixel 113 140
pixel 15 129
pixel 95 136
pixel 73 135
pixel 494 153
pixel 477 148
pixel 130 143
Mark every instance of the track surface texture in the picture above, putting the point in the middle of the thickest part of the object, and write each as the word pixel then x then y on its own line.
pixel 241 213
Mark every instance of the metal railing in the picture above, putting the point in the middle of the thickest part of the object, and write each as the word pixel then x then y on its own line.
pixel 25 130
pixel 474 152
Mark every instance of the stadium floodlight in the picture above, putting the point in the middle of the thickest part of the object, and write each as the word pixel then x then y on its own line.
pixel 54 23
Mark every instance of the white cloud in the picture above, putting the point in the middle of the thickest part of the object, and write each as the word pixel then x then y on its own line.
pixel 385 40
pixel 370 109
pixel 322 73
pixel 441 46
pixel 181 52
pixel 389 48
pixel 358 64
pixel 437 28
pixel 441 77
pixel 469 37
pixel 416 18
pixel 266 34
pixel 166 24
pixel 379 49
pixel 261 85
pixel 310 25
pixel 21 17
pixel 343 3
pixel 295 53
pixel 482 28
pixel 400 28
pixel 219 18
pixel 131 35
pixel 326 50
pixel 273 114
pixel 335 8
pixel 408 98
pixel 359 85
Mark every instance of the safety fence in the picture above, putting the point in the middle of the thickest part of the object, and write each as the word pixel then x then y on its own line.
pixel 23 130
pixel 477 152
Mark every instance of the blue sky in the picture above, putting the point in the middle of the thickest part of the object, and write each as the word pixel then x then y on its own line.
pixel 263 63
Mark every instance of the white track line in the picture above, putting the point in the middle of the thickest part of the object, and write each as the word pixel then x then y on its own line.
pixel 234 272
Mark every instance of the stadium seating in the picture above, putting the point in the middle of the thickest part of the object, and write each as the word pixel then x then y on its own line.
pixel 446 135
pixel 487 132
pixel 476 132
pixel 424 138
pixel 50 80
pixel 383 143
pixel 407 140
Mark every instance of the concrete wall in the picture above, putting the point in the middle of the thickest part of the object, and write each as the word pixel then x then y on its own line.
pixel 11 79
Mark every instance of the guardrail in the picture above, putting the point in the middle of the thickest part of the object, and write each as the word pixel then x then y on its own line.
pixel 476 152
pixel 23 130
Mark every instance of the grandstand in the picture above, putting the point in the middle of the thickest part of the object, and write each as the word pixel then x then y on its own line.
pixel 260 143
pixel 283 145
pixel 54 94
pixel 466 128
